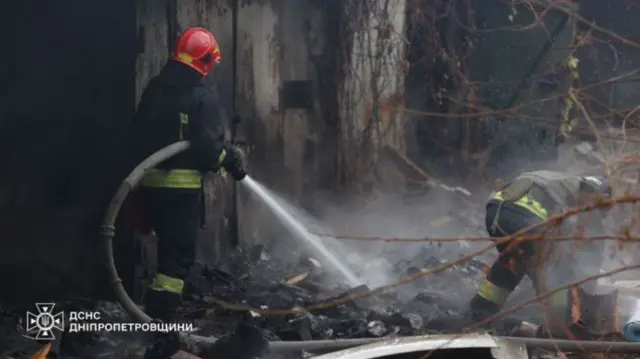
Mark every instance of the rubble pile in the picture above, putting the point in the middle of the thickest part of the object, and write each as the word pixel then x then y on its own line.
pixel 255 278
pixel 270 285
pixel 262 282
pixel 259 281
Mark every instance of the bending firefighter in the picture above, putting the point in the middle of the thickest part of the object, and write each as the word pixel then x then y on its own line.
pixel 529 199
pixel 177 106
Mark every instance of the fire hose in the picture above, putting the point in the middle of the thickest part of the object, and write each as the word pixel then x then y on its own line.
pixel 107 234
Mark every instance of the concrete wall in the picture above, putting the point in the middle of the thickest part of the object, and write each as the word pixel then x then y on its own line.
pixel 275 44
pixel 371 95
pixel 152 28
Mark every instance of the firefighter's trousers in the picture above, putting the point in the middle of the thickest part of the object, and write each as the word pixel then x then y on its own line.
pixel 515 262
pixel 511 266
pixel 174 214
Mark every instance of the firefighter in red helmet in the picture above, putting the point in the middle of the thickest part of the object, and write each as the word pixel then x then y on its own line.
pixel 177 106
pixel 198 49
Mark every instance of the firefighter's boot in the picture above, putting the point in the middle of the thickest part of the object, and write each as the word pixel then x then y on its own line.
pixel 480 309
pixel 162 306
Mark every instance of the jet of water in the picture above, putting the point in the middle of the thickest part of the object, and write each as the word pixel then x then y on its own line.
pixel 299 230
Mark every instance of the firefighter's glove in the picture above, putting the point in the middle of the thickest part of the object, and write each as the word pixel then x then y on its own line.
pixel 234 162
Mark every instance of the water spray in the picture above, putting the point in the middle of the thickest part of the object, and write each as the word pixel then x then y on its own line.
pixel 299 230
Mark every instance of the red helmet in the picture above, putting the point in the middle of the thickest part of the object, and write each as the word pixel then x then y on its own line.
pixel 198 49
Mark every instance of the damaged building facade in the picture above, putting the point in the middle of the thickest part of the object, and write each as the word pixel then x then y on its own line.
pixel 321 87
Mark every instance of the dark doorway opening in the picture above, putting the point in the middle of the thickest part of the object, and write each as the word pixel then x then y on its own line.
pixel 67 78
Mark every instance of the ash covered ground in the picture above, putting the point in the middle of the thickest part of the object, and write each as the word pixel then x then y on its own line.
pixel 285 275
pixel 409 310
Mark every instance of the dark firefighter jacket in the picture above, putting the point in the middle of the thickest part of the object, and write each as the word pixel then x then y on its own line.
pixel 177 106
pixel 547 193
pixel 554 192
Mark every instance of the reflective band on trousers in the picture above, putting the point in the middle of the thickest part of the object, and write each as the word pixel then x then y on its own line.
pixel 164 283
pixel 172 179
pixel 527 203
pixel 493 293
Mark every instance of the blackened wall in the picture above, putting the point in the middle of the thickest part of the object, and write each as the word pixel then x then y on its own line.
pixel 66 93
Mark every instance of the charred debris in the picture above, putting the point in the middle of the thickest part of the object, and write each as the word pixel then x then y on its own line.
pixel 270 283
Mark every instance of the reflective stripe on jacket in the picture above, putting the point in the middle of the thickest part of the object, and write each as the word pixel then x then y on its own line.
pixel 157 178
pixel 527 202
